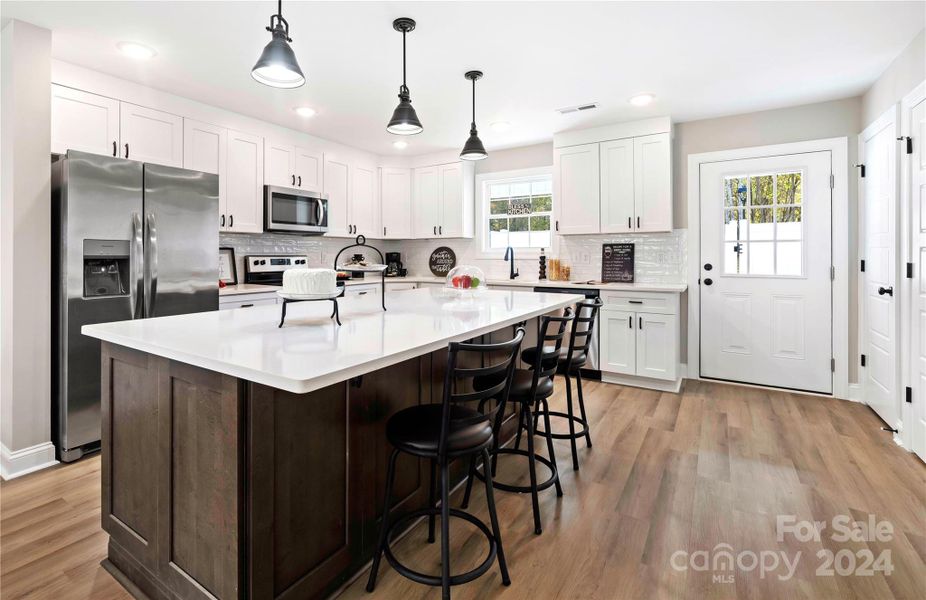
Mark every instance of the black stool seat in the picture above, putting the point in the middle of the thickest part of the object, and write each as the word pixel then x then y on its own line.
pixel 528 355
pixel 521 382
pixel 416 430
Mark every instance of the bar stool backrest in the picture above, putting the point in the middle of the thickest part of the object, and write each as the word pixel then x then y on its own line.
pixel 580 340
pixel 458 377
pixel 552 329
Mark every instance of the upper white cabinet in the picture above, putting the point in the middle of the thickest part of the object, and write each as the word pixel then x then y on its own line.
pixel 244 181
pixel 575 188
pixel 149 135
pixel 614 179
pixel 337 186
pixel 652 182
pixel 205 148
pixel 443 201
pixel 292 166
pixel 363 209
pixel 83 121
pixel 396 202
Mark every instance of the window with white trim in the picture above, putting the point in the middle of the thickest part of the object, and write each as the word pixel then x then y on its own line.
pixel 518 212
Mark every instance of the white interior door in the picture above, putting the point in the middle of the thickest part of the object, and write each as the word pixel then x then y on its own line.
pixel 917 183
pixel 766 289
pixel 878 230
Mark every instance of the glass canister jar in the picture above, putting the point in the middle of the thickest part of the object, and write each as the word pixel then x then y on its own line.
pixel 466 279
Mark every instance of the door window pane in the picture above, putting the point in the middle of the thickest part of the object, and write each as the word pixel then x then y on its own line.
pixel 789 223
pixel 762 258
pixel 763 190
pixel 734 225
pixel 789 258
pixel 735 258
pixel 789 188
pixel 735 191
pixel 761 224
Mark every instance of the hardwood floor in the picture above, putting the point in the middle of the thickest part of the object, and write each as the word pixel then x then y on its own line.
pixel 716 464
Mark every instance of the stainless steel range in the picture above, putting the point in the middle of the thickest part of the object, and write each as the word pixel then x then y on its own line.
pixel 268 270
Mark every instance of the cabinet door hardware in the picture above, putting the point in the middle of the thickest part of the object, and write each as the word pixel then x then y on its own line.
pixel 435 230
pixel 384 231
pixel 300 181
pixel 864 360
pixel 635 301
pixel 246 306
pixel 909 270
pixel 630 321
pixel 440 230
pixel 557 225
pixel 223 220
pixel 641 322
pixel 114 148
pixel 862 265
pixel 294 179
pixel 908 394
pixel 126 150
pixel 231 220
pixel 629 222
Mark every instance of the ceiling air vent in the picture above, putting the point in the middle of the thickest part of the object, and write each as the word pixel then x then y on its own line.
pixel 577 108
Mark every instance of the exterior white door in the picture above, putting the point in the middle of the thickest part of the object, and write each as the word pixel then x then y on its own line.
pixel 83 121
pixel 917 321
pixel 576 189
pixel 617 211
pixel 618 341
pixel 149 135
pixel 766 289
pixel 878 230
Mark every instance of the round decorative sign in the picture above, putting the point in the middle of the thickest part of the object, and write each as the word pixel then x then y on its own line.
pixel 442 260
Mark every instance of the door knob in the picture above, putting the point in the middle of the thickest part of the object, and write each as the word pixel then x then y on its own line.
pixel 708 281
pixel 886 290
pixel 708 266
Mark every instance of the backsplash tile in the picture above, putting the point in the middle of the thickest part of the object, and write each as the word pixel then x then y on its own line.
pixel 659 257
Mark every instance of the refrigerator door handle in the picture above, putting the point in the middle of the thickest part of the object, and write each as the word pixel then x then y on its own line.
pixel 152 258
pixel 136 260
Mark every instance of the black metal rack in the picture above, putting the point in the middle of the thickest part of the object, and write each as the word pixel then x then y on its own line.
pixel 361 242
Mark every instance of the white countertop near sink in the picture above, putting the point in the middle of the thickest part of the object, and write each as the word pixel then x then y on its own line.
pixel 311 351
pixel 578 285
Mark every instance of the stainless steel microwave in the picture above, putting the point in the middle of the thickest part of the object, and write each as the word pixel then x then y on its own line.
pixel 295 211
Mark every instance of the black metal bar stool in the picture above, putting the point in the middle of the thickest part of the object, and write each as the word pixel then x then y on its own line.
pixel 570 364
pixel 441 433
pixel 529 388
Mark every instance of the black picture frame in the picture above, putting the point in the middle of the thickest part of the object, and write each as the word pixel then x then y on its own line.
pixel 229 255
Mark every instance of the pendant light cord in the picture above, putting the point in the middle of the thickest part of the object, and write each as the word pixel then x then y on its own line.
pixel 474 103
pixel 403 60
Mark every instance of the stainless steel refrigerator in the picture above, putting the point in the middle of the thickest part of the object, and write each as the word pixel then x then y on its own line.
pixel 130 241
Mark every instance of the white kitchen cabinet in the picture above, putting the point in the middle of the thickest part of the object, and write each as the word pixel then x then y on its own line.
pixel 396 203
pixel 83 121
pixel 292 166
pixel 426 202
pixel 652 182
pixel 400 286
pixel 337 186
pixel 243 207
pixel 576 189
pixel 443 201
pixel 617 210
pixel 205 148
pixel 363 208
pixel 247 300
pixel 365 297
pixel 640 339
pixel 618 342
pixel 149 135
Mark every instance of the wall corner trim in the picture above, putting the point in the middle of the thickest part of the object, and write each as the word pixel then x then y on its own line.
pixel 16 463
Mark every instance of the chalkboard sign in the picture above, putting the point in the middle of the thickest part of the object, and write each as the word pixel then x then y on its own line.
pixel 617 263
pixel 442 260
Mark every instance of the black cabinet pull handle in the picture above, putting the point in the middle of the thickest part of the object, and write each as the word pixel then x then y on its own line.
pixel 362 293
pixel 629 223
pixel 231 220
pixel 708 281
pixel 246 306
pixel 440 230
pixel 300 181
pixel 641 322
pixel 557 224
pixel 638 222
pixel 384 231
pixel 126 150
pixel 886 290
pixel 435 230
pixel 114 148
pixel 630 321
pixel 223 220
pixel 635 301
pixel 294 179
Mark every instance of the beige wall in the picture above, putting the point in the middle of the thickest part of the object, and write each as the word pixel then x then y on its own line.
pixel 25 240
pixel 905 73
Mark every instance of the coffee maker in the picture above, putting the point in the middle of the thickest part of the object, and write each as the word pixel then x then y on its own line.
pixel 394 265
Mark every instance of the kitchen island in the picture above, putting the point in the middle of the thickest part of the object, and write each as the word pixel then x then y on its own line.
pixel 242 460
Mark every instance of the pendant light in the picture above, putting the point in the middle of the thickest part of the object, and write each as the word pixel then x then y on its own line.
pixel 277 66
pixel 473 149
pixel 404 119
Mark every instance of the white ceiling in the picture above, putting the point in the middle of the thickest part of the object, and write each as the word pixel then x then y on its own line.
pixel 701 59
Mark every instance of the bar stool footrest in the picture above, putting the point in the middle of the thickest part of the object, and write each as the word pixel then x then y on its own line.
pixel 563 436
pixel 435 580
pixel 522 489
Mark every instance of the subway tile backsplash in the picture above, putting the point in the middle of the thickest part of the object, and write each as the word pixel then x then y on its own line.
pixel 659 257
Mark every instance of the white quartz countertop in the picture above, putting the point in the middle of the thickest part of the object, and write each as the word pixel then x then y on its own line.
pixel 311 351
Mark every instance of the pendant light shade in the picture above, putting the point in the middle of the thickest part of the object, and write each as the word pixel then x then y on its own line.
pixel 404 119
pixel 277 65
pixel 473 149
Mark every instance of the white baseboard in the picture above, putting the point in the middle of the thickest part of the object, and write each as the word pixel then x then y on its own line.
pixel 643 382
pixel 20 462
pixel 855 392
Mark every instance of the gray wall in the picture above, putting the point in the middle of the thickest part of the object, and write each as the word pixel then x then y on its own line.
pixel 905 73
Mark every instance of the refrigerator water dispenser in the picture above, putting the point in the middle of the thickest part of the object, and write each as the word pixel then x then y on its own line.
pixel 106 268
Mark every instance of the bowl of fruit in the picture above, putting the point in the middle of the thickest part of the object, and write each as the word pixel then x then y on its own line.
pixel 466 280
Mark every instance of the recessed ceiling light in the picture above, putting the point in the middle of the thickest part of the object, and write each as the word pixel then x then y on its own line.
pixel 135 50
pixel 400 144
pixel 642 99
pixel 500 126
pixel 305 111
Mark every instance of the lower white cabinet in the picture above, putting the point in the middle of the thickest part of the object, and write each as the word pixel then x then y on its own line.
pixel 398 286
pixel 247 300
pixel 366 296
pixel 640 339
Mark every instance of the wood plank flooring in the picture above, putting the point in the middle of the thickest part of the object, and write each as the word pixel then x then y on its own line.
pixel 668 472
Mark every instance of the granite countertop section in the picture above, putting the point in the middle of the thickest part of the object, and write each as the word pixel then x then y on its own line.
pixel 311 351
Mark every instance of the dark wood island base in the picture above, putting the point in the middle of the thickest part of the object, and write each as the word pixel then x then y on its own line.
pixel 218 487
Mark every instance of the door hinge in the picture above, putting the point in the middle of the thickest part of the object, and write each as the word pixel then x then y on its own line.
pixel 909 144
pixel 863 360
pixel 833 365
pixel 862 265
pixel 908 395
pixel 832 181
pixel 909 270
pixel 861 170
pixel 832 273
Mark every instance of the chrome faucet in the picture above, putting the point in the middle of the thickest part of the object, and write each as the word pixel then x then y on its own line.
pixel 509 256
